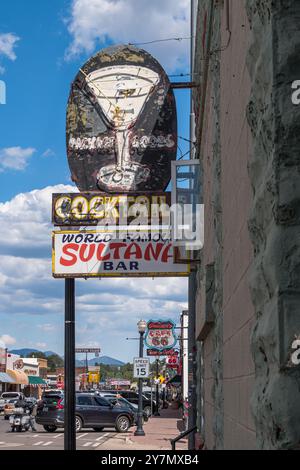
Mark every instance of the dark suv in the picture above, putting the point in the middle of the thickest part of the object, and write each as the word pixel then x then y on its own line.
pixel 133 397
pixel 92 411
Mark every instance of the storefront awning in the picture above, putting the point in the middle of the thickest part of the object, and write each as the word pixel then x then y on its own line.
pixel 6 378
pixel 18 377
pixel 34 380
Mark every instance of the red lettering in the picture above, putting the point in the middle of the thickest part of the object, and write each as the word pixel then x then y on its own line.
pixel 166 254
pixel 151 253
pixel 66 251
pixel 116 247
pixel 133 250
pixel 91 251
pixel 101 248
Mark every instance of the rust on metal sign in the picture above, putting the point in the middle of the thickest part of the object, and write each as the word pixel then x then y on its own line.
pixel 121 123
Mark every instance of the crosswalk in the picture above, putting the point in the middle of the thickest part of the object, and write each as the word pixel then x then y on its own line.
pixel 40 440
pixel 97 442
pixel 42 443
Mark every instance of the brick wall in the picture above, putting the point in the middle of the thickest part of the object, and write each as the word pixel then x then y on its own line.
pixel 228 375
pixel 238 311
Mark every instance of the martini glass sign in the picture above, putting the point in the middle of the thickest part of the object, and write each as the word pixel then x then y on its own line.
pixel 122 92
pixel 121 123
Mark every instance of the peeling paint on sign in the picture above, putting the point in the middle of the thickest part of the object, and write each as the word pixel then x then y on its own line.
pixel 121 123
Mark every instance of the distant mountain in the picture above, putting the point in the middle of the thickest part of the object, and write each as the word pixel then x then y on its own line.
pixel 25 351
pixel 106 360
pixel 49 353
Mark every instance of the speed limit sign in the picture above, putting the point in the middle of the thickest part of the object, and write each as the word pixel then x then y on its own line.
pixel 140 368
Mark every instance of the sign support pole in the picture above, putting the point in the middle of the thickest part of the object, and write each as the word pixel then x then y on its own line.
pixel 139 430
pixel 69 409
pixel 192 397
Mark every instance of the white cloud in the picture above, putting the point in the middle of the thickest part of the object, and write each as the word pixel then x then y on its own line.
pixel 32 302
pixel 15 158
pixel 41 345
pixel 93 22
pixel 7 340
pixel 7 45
pixel 48 153
pixel 28 217
pixel 47 327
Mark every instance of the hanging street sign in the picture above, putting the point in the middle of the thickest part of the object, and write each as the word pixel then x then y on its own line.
pixel 141 367
pixel 160 335
pixel 88 350
pixel 95 254
pixel 121 123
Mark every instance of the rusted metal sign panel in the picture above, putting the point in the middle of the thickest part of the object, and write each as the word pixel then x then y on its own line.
pixel 92 208
pixel 121 123
pixel 93 253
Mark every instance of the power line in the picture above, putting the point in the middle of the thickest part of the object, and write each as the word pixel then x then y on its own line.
pixel 182 156
pixel 159 40
pixel 187 140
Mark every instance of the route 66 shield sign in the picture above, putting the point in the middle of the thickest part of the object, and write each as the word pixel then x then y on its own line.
pixel 160 335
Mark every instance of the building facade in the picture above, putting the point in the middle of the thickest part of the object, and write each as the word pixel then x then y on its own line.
pixel 248 281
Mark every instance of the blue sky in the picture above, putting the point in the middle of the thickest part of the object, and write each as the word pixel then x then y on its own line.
pixel 42 45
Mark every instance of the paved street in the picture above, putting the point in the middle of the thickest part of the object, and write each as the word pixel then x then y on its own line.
pixel 42 440
pixel 159 430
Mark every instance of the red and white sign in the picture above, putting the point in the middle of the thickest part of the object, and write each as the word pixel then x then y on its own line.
pixel 119 382
pixel 164 352
pixel 172 361
pixel 96 254
pixel 160 335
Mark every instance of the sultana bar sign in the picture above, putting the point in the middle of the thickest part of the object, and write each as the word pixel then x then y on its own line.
pixel 94 208
pixel 91 253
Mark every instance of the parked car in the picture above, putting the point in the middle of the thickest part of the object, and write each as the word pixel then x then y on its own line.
pixel 120 401
pixel 53 393
pixel 11 395
pixel 133 397
pixel 148 395
pixel 92 411
pixel 2 403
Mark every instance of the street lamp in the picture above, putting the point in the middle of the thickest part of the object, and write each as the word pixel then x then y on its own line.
pixel 142 325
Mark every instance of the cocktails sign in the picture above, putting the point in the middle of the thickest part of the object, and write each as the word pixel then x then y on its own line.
pixel 121 123
pixel 160 335
pixel 118 209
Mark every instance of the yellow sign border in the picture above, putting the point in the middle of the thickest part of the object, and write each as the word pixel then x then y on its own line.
pixel 95 275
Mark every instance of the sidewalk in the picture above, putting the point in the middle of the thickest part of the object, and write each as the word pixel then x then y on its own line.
pixel 158 432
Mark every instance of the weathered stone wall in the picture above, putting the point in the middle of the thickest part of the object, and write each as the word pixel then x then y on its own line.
pixel 250 137
pixel 210 155
pixel 274 63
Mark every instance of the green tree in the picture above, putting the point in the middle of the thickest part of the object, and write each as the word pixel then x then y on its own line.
pixel 38 354
pixel 54 361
